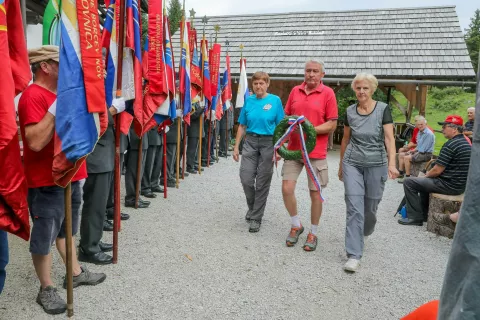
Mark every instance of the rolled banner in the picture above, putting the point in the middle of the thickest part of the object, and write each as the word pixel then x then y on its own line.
pixel 302 124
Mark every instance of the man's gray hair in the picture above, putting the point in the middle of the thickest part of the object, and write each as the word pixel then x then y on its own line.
pixel 420 119
pixel 471 109
pixel 317 61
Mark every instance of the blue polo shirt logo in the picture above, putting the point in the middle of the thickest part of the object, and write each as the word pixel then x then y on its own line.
pixel 267 107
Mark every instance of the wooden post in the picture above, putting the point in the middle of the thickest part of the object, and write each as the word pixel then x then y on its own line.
pixel 209 138
pixel 179 124
pixel 117 176
pixel 68 244
pixel 139 171
pixel 165 165
pixel 200 145
pixel 226 134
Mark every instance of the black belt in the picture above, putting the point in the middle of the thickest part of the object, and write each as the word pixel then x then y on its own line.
pixel 259 135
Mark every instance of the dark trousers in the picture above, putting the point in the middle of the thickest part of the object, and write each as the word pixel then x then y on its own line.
pixel 223 140
pixel 147 178
pixel 110 200
pixel 131 174
pixel 417 192
pixel 171 162
pixel 95 196
pixel 157 168
pixel 256 169
pixel 192 146
pixel 3 257
pixel 205 143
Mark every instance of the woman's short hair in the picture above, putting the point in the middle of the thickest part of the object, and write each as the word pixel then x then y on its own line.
pixel 367 77
pixel 260 75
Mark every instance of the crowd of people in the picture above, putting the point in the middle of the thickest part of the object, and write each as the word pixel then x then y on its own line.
pixel 367 161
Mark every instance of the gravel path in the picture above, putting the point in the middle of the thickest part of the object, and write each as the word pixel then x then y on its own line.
pixel 191 257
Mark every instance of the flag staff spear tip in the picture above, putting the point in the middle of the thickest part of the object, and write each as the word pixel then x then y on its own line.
pixel 241 50
pixel 192 16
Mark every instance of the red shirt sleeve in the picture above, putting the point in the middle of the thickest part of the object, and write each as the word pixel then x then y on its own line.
pixel 414 136
pixel 331 110
pixel 288 106
pixel 32 108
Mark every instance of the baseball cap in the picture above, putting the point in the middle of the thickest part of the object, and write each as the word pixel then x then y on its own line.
pixel 452 119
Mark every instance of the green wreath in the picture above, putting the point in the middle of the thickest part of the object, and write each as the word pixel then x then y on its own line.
pixel 310 140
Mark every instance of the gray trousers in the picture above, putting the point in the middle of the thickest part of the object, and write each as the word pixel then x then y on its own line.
pixel 157 168
pixel 95 195
pixel 223 143
pixel 417 193
pixel 192 146
pixel 171 162
pixel 147 178
pixel 110 201
pixel 256 171
pixel 131 173
pixel 363 192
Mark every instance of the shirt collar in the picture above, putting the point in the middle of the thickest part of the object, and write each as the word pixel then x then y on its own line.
pixel 319 88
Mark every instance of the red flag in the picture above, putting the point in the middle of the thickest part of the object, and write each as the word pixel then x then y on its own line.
pixel 15 75
pixel 215 66
pixel 195 68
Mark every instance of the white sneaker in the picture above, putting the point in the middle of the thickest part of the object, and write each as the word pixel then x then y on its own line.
pixel 351 265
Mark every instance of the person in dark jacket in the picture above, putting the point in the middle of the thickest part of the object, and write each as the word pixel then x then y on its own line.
pixel 193 133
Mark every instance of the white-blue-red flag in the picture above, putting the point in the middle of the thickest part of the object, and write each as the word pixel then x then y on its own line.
pixel 81 110
pixel 226 85
pixel 185 84
pixel 242 93
pixel 110 45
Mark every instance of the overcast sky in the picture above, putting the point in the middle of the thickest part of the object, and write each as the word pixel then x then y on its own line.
pixel 465 8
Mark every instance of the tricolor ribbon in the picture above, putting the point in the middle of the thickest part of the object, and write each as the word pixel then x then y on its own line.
pixel 294 123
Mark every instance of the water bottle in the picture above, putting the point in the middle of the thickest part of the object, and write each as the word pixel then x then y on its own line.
pixel 403 212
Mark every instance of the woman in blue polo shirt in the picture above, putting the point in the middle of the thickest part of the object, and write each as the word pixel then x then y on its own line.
pixel 260 115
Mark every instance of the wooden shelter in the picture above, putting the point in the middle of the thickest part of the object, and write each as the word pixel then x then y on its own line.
pixel 407 48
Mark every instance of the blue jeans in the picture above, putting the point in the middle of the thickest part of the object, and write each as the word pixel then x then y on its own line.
pixel 3 257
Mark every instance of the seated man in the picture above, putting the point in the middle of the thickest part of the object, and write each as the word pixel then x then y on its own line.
pixel 448 176
pixel 468 128
pixel 422 152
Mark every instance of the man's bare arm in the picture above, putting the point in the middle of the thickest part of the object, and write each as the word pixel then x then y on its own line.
pixel 435 171
pixel 326 127
pixel 39 135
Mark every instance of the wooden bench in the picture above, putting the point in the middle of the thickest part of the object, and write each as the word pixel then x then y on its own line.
pixel 442 204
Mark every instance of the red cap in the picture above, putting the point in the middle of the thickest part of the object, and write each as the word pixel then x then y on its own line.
pixel 453 119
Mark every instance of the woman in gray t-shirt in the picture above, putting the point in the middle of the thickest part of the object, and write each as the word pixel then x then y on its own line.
pixel 365 165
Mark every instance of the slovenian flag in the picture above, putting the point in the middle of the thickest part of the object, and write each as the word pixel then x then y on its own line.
pixel 207 86
pixel 226 85
pixel 185 85
pixel 242 93
pixel 81 116
pixel 110 45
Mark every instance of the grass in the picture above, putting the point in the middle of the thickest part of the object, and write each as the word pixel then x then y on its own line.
pixel 463 100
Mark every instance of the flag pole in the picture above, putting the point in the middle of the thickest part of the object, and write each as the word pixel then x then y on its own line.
pixel 179 120
pixel 139 170
pixel 117 176
pixel 202 97
pixel 227 43
pixel 68 244
pixel 217 28
pixel 165 165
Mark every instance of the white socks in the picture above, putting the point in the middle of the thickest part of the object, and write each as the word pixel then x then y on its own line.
pixel 314 229
pixel 296 221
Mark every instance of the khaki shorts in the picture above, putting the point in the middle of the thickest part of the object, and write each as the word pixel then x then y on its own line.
pixel 292 168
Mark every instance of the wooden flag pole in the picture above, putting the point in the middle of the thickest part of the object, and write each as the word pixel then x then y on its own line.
pixel 179 120
pixel 184 151
pixel 227 43
pixel 202 96
pixel 139 171
pixel 117 177
pixel 165 164
pixel 68 244
pixel 217 28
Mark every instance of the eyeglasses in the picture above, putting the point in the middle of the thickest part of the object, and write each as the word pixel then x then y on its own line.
pixel 454 126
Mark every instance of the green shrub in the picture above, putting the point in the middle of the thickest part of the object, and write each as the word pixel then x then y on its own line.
pixel 446 99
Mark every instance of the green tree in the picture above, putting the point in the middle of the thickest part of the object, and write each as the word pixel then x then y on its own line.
pixel 174 15
pixel 472 38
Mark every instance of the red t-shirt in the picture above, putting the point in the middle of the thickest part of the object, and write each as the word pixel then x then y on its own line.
pixel 318 107
pixel 32 107
pixel 415 134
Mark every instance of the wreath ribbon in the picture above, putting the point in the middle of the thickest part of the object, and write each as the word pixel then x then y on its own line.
pixel 294 124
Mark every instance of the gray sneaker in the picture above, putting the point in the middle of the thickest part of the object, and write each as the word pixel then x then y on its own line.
pixel 51 301
pixel 86 278
pixel 254 226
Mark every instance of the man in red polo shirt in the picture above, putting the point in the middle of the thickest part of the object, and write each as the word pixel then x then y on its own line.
pixel 318 104
pixel 36 112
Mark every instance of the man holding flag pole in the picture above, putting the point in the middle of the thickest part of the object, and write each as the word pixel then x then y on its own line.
pixel 226 123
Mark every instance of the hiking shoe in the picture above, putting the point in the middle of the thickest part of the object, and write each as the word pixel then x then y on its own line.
pixel 351 265
pixel 292 238
pixel 311 243
pixel 254 226
pixel 400 179
pixel 86 278
pixel 51 301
